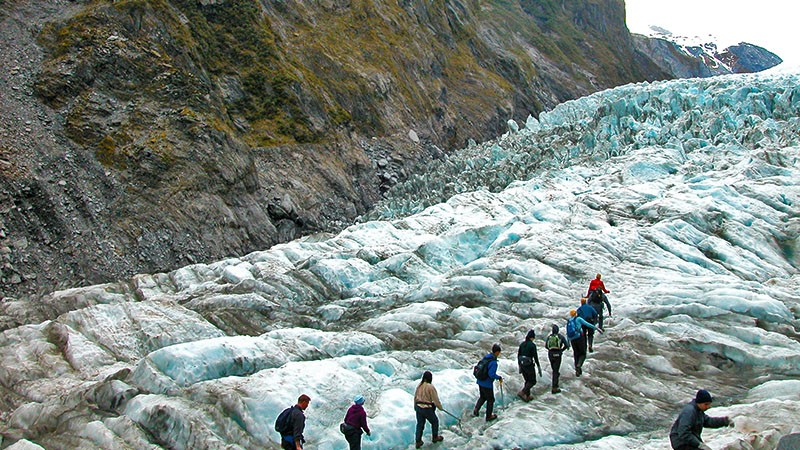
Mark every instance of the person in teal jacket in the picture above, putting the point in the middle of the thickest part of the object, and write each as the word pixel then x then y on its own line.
pixel 486 386
pixel 577 339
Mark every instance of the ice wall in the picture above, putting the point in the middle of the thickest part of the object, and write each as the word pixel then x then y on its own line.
pixel 727 112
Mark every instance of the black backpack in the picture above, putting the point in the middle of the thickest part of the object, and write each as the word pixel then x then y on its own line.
pixel 524 360
pixel 481 370
pixel 596 296
pixel 283 424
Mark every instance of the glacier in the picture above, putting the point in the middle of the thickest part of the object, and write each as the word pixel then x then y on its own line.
pixel 684 194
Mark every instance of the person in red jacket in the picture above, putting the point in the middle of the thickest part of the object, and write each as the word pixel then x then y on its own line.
pixel 597 283
pixel 596 297
pixel 354 422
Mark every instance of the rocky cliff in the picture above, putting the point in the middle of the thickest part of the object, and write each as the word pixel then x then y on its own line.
pixel 143 135
pixel 692 60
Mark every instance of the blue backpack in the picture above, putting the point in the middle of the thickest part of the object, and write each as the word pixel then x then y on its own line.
pixel 573 329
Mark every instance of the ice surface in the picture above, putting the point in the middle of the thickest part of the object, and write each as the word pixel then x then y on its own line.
pixel 683 194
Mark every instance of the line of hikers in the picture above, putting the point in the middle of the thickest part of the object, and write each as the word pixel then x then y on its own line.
pixel 580 331
pixel 685 433
pixel 581 325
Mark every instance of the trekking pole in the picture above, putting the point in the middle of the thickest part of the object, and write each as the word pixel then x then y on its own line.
pixel 458 419
pixel 502 397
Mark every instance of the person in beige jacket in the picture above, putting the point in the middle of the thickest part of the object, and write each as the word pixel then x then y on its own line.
pixel 426 400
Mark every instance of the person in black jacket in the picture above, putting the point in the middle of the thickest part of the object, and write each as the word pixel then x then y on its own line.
pixel 685 432
pixel 528 361
pixel 297 420
pixel 555 344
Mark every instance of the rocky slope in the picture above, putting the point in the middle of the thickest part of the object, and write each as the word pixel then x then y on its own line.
pixel 704 59
pixel 143 135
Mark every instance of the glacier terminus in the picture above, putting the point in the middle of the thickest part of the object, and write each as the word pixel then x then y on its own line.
pixel 684 194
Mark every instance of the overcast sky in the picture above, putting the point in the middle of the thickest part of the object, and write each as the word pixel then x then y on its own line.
pixel 772 24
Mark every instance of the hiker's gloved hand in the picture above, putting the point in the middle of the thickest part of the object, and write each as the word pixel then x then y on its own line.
pixel 729 422
pixel 704 447
pixel 501 380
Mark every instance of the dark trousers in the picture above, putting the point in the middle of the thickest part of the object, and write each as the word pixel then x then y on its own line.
pixel 590 337
pixel 529 374
pixel 555 364
pixel 579 351
pixel 428 414
pixel 353 436
pixel 599 308
pixel 486 396
pixel 286 445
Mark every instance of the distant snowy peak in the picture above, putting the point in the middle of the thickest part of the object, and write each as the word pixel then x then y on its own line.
pixel 703 56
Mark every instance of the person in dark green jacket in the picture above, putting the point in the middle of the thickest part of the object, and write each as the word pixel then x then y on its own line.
pixel 685 432
pixel 528 361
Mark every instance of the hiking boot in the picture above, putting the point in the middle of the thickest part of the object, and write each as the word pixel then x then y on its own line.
pixel 556 391
pixel 578 371
pixel 475 413
pixel 419 444
pixel 491 418
pixel 522 395
pixel 437 439
pixel 591 350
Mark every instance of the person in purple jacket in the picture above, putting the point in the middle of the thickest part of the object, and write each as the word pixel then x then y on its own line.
pixel 355 423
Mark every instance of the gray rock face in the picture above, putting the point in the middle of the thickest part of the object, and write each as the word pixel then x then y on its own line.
pixel 747 58
pixel 684 61
pixel 789 442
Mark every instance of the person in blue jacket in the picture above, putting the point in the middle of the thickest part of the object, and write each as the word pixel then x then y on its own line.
pixel 589 314
pixel 486 386
pixel 577 339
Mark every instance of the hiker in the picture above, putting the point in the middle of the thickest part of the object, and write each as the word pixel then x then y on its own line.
pixel 595 284
pixel 355 423
pixel 426 400
pixel 295 422
pixel 589 314
pixel 596 297
pixel 528 361
pixel 577 339
pixel 555 344
pixel 685 432
pixel 486 383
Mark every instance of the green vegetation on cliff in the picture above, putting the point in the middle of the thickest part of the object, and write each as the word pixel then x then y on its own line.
pixel 270 119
